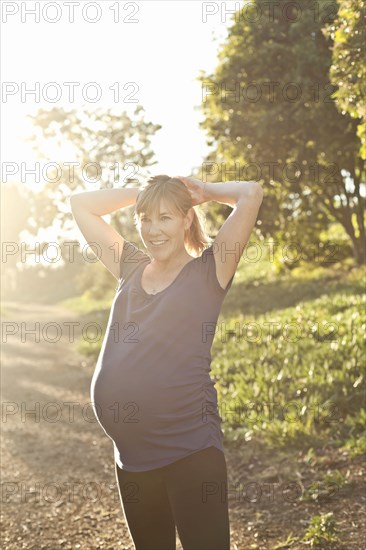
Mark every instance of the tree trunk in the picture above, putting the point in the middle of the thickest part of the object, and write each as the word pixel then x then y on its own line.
pixel 359 250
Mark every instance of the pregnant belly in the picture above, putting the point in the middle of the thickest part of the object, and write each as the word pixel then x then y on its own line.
pixel 116 400
pixel 128 405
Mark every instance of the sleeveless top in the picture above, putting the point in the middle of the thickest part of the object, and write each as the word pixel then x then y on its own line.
pixel 151 390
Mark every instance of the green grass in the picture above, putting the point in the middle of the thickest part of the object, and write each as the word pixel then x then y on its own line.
pixel 292 370
pixel 3 311
pixel 321 533
pixel 355 442
pixel 329 484
pixel 86 305
pixel 322 530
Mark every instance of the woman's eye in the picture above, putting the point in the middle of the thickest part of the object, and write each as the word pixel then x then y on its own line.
pixel 163 218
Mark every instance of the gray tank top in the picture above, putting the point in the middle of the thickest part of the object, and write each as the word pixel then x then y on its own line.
pixel 151 390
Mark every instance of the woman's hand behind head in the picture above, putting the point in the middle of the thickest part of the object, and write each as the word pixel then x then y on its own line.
pixel 196 189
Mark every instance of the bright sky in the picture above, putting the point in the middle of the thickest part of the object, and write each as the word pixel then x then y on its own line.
pixel 162 53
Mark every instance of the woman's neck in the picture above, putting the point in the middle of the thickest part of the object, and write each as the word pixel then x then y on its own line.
pixel 171 264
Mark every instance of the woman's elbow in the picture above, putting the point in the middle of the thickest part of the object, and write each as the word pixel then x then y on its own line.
pixel 255 190
pixel 75 200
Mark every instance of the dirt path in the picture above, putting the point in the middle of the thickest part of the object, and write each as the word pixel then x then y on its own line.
pixel 58 482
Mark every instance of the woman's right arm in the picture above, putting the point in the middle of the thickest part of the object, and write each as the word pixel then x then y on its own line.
pixel 87 209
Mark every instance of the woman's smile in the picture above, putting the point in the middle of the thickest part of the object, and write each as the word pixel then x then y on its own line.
pixel 158 243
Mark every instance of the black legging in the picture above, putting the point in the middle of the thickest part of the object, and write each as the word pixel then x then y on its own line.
pixel 189 493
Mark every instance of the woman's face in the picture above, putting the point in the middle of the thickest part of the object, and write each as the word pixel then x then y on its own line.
pixel 166 227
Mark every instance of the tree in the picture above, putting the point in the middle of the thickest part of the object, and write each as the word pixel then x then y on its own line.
pixel 109 149
pixel 281 125
pixel 104 144
pixel 348 69
pixel 14 214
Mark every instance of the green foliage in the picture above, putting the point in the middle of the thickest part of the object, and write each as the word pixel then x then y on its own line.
pixel 87 348
pixel 86 304
pixel 286 543
pixel 348 70
pixel 298 381
pixel 322 530
pixel 14 215
pixel 96 282
pixel 113 149
pixel 101 137
pixel 355 443
pixel 308 143
pixel 292 369
pixel 3 311
pixel 327 486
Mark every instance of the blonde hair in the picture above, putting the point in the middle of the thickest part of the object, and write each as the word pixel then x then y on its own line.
pixel 174 192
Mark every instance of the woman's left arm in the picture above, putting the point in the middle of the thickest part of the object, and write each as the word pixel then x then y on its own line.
pixel 246 198
pixel 231 192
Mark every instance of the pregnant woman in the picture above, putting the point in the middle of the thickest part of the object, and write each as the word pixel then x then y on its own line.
pixel 151 390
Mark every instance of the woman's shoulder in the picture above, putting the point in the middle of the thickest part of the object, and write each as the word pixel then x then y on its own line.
pixel 131 258
pixel 207 265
